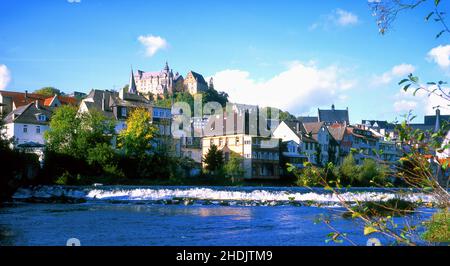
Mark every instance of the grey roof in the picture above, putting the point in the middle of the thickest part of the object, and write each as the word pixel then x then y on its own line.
pixel 298 128
pixel 308 119
pixel 381 124
pixel 337 132
pixel 431 119
pixel 198 77
pixel 28 114
pixel 334 116
pixel 111 99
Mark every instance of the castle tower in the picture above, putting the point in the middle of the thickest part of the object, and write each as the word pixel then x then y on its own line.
pixel 132 85
pixel 211 84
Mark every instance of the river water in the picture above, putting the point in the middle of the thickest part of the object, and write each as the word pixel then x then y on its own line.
pixel 143 216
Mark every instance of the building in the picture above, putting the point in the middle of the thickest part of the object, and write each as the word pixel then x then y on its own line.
pixel 298 147
pixel 337 132
pixel 10 100
pixel 118 106
pixel 27 116
pixel 334 116
pixel 327 150
pixel 27 124
pixel 361 140
pixel 382 127
pixel 260 154
pixel 195 83
pixel 191 147
pixel 158 83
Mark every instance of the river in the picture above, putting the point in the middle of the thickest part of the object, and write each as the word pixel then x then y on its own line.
pixel 146 216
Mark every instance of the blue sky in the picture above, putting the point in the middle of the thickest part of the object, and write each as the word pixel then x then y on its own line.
pixel 296 55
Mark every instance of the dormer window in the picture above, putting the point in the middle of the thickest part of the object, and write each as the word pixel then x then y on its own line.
pixel 42 118
pixel 124 112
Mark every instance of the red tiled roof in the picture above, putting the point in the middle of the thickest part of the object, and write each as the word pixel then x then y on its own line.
pixel 48 101
pixel 68 100
pixel 19 98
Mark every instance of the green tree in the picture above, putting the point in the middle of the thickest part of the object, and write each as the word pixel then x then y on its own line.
pixel 48 91
pixel 211 95
pixel 214 160
pixel 75 134
pixel 370 173
pixel 62 134
pixel 136 139
pixel 234 167
pixel 348 169
pixel 309 176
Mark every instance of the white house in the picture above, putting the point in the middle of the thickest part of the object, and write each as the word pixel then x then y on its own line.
pixel 26 126
pixel 297 143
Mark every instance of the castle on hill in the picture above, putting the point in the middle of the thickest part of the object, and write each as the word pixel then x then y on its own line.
pixel 158 84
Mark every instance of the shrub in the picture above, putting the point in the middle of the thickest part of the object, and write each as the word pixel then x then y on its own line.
pixel 438 228
pixel 310 176
pixel 392 207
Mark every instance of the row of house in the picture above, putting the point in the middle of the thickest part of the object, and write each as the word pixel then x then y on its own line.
pixel 264 144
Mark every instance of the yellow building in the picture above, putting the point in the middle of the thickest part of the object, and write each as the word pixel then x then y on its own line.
pixel 261 154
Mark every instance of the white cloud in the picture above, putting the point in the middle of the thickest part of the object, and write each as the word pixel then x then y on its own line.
pixel 152 44
pixel 300 89
pixel 337 18
pixel 5 77
pixel 397 71
pixel 404 105
pixel 420 102
pixel 440 55
pixel 345 18
pixel 74 1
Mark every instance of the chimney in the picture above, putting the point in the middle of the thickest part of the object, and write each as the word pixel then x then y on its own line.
pixel 36 103
pixel 26 94
pixel 437 126
pixel 332 107
pixel 298 127
pixel 103 102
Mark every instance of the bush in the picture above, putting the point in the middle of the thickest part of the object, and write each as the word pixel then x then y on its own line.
pixel 392 207
pixel 18 168
pixel 348 170
pixel 310 176
pixel 438 228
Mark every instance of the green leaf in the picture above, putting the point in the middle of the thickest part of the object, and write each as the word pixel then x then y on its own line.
pixel 445 165
pixel 405 88
pixel 415 91
pixel 429 15
pixel 436 2
pixel 403 81
pixel 440 33
pixel 414 79
pixel 369 230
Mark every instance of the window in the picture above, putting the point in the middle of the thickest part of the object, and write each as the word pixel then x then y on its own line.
pixel 124 112
pixel 38 130
pixel 25 129
pixel 42 118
